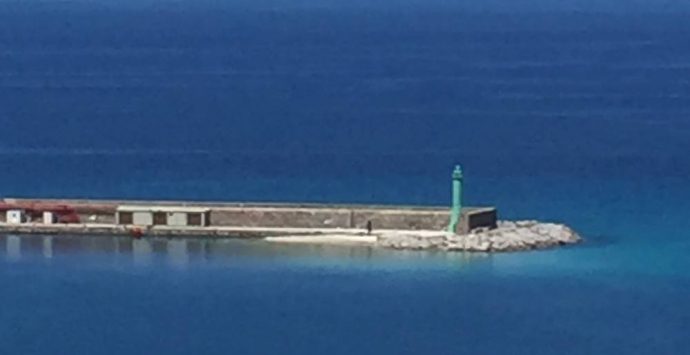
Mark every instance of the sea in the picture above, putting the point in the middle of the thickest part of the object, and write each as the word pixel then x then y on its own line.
pixel 570 111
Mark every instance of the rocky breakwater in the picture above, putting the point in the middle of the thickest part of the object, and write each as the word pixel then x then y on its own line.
pixel 508 236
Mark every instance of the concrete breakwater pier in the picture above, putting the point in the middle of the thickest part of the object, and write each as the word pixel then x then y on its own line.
pixel 403 227
pixel 169 218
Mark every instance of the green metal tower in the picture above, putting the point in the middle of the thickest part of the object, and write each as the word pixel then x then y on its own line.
pixel 457 199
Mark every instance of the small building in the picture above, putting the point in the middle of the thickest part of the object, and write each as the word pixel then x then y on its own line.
pixel 15 217
pixel 163 216
pixel 49 217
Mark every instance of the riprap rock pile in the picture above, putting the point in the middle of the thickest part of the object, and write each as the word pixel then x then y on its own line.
pixel 508 236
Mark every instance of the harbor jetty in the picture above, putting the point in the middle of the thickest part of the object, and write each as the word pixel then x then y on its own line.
pixel 458 228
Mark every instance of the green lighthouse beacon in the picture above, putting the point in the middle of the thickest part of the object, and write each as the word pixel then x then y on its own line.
pixel 457 199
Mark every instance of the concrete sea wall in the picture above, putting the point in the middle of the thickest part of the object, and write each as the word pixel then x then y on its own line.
pixel 288 215
pixel 251 220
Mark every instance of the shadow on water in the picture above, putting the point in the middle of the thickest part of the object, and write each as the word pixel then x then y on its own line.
pixel 183 252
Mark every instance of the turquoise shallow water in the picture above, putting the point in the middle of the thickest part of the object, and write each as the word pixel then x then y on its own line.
pixel 572 112
pixel 106 295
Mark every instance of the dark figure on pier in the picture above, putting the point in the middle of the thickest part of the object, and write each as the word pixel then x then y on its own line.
pixel 369 227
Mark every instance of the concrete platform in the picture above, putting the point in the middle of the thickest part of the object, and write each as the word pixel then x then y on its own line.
pixel 206 232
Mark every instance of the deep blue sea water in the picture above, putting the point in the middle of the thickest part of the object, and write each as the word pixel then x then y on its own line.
pixel 571 111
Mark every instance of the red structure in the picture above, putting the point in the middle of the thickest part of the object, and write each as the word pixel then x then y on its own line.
pixel 64 213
